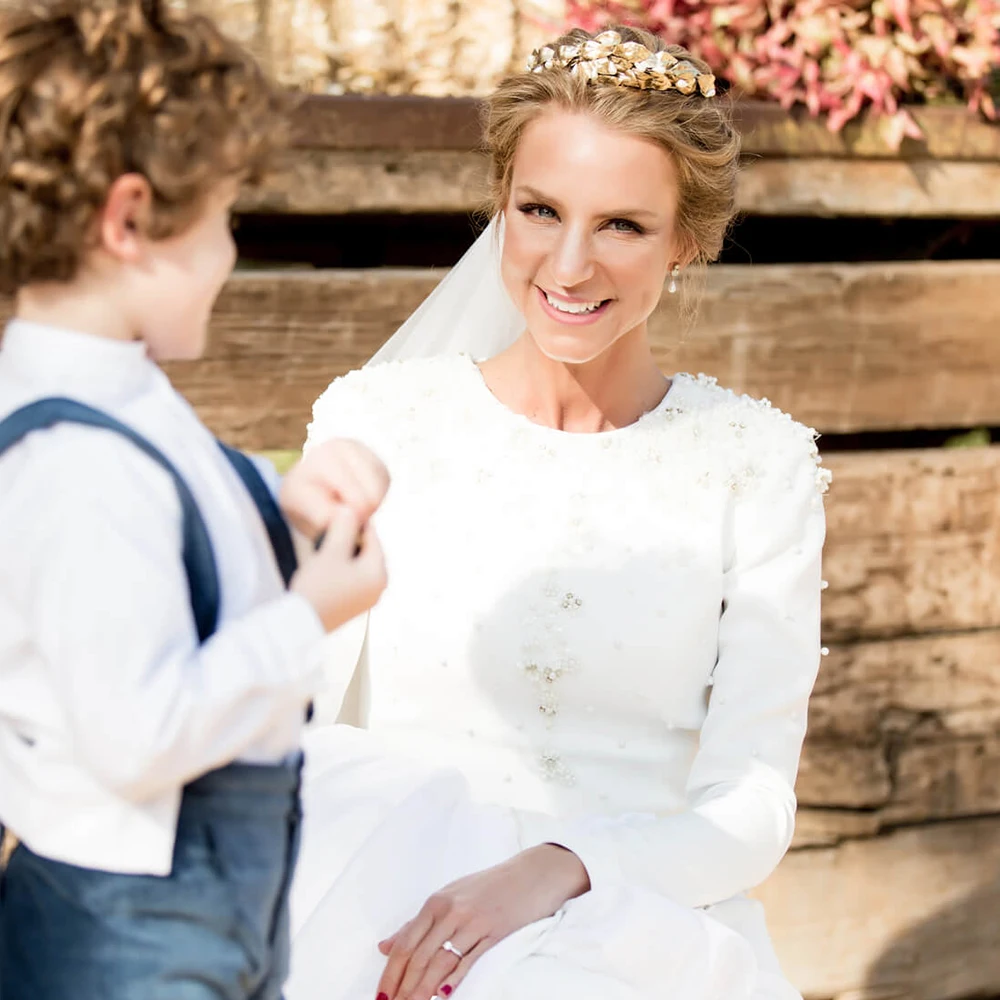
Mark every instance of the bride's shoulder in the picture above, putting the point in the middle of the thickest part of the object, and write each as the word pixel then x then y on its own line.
pixel 746 428
pixel 412 377
pixel 366 400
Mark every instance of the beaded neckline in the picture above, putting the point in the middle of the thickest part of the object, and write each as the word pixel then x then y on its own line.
pixel 481 391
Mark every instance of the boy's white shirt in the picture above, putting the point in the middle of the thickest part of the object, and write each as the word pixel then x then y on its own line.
pixel 108 706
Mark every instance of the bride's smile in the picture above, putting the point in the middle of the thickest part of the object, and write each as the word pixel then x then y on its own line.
pixel 589 234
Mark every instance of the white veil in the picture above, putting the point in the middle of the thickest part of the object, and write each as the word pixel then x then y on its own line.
pixel 469 312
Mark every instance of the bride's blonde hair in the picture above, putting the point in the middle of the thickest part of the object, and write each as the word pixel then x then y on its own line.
pixel 697 131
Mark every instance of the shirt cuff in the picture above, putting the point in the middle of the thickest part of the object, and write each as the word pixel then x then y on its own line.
pixel 296 632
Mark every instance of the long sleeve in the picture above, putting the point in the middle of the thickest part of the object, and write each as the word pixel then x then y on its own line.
pixel 741 804
pixel 97 574
pixel 341 411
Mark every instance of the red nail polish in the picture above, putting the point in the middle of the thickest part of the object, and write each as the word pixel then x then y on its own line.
pixel 382 996
pixel 446 990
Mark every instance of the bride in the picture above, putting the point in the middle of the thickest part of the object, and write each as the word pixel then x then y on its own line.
pixel 578 710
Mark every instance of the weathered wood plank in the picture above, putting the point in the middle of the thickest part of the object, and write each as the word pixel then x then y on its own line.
pixel 908 916
pixel 842 347
pixel 412 123
pixel 927 687
pixel 407 122
pixel 902 780
pixel 907 730
pixel 824 826
pixel 334 182
pixel 855 347
pixel 949 134
pixel 901 189
pixel 330 182
pixel 914 543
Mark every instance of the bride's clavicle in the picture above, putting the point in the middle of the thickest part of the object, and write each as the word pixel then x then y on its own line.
pixel 614 393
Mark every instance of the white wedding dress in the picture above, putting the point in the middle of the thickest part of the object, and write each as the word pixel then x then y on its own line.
pixel 605 641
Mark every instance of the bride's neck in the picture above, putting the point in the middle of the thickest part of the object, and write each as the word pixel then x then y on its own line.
pixel 614 390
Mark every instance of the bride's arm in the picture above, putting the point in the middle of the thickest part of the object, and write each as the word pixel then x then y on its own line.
pixel 740 817
pixel 335 469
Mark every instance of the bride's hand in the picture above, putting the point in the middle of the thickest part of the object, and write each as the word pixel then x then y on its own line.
pixel 338 471
pixel 472 915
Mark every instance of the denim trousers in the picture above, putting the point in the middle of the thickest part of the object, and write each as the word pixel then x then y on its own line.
pixel 215 928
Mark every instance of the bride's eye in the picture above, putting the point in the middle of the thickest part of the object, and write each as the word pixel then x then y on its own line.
pixel 538 211
pixel 625 226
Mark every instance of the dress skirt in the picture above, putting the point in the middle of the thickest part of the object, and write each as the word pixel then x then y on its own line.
pixel 380 836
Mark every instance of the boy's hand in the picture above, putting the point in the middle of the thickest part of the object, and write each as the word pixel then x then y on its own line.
pixel 336 473
pixel 338 583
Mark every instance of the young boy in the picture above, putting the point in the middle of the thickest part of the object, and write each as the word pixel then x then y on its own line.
pixel 154 670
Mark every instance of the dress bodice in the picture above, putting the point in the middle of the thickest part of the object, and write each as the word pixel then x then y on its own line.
pixel 552 621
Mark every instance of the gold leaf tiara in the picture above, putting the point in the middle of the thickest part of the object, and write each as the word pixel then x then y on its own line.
pixel 608 59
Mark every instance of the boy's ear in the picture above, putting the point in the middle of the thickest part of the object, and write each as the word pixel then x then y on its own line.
pixel 124 220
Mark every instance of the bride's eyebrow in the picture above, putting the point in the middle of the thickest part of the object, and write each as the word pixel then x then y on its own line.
pixel 525 191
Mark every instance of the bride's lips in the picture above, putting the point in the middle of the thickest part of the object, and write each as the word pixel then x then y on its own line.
pixel 573 319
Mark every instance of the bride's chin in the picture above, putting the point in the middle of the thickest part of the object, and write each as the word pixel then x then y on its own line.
pixel 568 353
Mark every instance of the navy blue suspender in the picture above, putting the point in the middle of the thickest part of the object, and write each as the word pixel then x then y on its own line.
pixel 196 549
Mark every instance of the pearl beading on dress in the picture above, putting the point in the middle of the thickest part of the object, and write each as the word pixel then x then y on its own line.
pixel 724 447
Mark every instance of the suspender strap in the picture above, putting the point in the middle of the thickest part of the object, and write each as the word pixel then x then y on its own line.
pixel 274 521
pixel 198 557
pixel 196 549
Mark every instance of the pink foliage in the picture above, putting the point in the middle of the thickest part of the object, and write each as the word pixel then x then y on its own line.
pixel 835 57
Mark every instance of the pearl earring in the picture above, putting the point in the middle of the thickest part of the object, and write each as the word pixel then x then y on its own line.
pixel 672 287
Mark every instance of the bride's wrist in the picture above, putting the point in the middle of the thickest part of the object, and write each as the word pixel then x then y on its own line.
pixel 572 872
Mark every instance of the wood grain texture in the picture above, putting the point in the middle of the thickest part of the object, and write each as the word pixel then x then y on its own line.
pixel 842 347
pixel 411 122
pixel 855 187
pixel 331 182
pixel 922 688
pixel 907 916
pixel 949 134
pixel 901 732
pixel 911 767
pixel 913 543
pixel 335 182
pixel 851 347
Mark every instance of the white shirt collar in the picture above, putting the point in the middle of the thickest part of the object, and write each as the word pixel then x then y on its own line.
pixel 69 359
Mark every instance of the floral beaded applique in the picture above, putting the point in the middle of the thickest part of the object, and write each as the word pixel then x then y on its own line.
pixel 752 433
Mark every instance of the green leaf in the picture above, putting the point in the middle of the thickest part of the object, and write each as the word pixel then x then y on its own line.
pixel 281 460
pixel 978 438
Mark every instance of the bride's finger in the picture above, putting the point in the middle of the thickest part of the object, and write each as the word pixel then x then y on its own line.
pixel 431 961
pixel 448 987
pixel 307 507
pixel 443 966
pixel 406 940
pixel 344 485
pixel 372 479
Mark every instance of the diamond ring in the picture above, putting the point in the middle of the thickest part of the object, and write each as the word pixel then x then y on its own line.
pixel 448 946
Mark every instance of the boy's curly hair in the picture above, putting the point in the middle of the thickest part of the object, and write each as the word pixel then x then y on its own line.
pixel 94 89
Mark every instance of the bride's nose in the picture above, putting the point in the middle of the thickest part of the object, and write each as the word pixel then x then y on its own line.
pixel 571 261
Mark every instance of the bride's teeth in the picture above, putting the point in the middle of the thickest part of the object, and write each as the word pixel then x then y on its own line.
pixel 572 307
